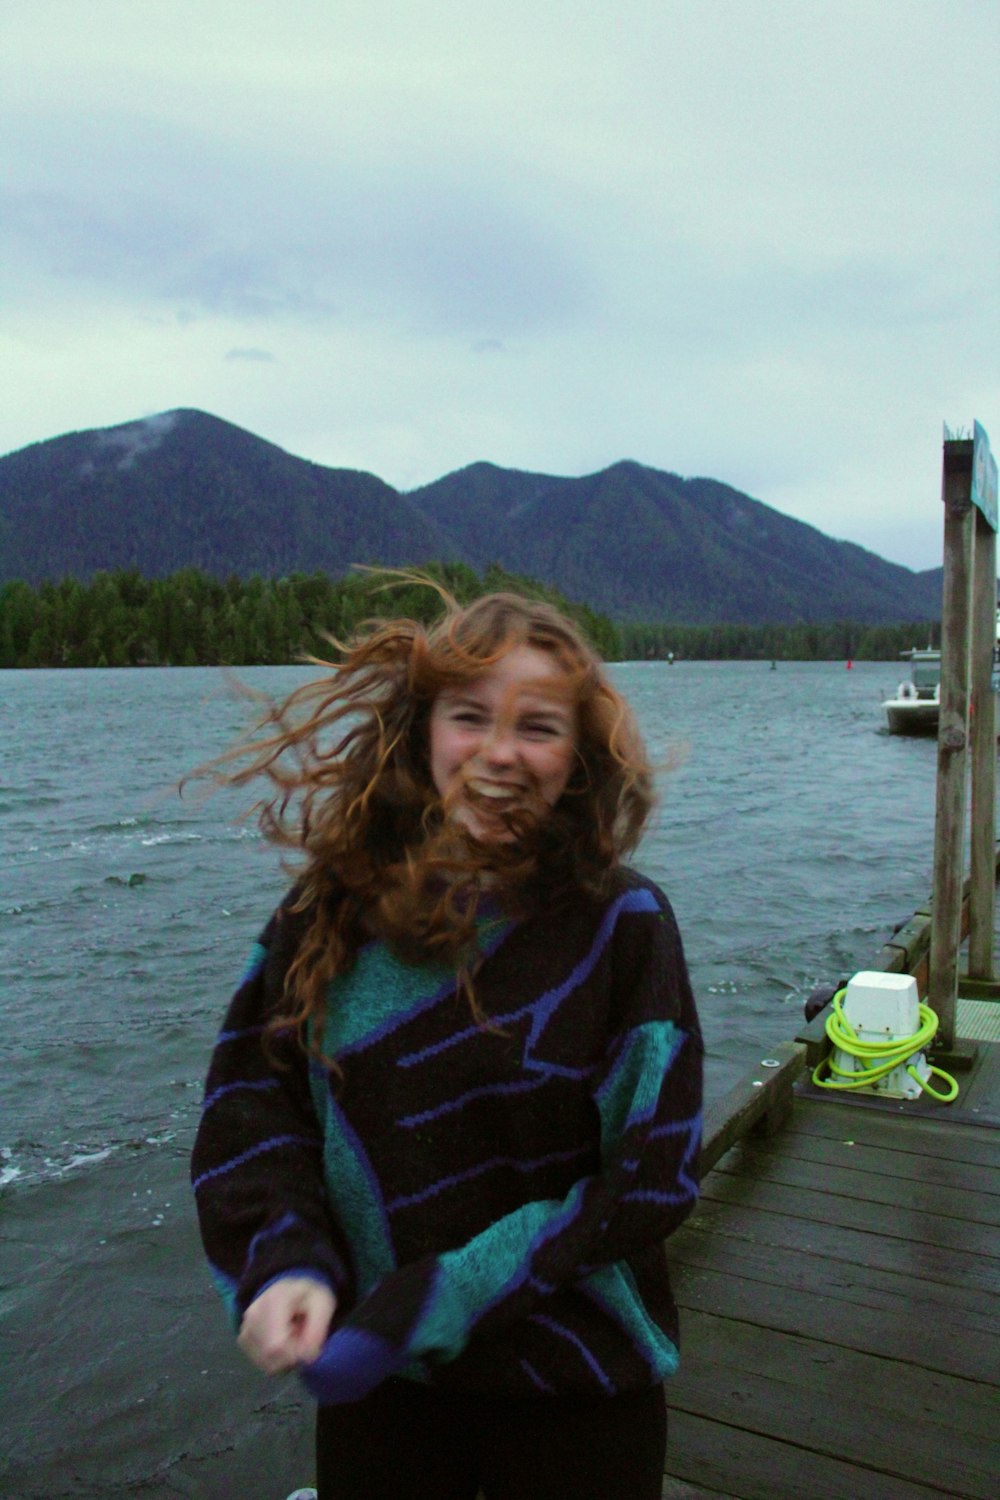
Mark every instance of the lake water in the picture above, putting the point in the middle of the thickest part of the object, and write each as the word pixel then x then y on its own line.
pixel 792 836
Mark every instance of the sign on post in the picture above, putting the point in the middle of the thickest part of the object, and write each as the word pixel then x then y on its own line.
pixel 984 475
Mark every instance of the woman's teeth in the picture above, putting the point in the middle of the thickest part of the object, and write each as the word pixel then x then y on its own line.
pixel 491 790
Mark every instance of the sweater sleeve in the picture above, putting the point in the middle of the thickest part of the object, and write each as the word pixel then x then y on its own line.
pixel 257 1162
pixel 648 1097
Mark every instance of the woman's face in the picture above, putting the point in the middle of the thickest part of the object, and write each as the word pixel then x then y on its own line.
pixel 508 737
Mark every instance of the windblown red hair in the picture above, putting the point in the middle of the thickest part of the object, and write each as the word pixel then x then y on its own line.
pixel 347 759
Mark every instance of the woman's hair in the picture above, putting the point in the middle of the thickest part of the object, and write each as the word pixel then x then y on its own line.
pixel 347 756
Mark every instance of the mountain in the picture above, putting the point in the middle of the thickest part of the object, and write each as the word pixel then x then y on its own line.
pixel 642 544
pixel 184 489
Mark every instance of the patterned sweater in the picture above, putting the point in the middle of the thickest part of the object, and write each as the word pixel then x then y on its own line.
pixel 488 1203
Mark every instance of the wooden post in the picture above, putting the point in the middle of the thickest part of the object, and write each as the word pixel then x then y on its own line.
pixel 949 824
pixel 982 837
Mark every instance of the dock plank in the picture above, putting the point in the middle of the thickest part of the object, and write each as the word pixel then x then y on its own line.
pixel 839 1288
pixel 833 1242
pixel 921 1427
pixel 882 1125
pixel 820 1205
pixel 753 1467
pixel 680 1489
pixel 882 1326
pixel 859 1284
pixel 841 1380
pixel 805 1153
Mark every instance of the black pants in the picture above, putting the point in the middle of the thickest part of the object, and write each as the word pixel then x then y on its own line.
pixel 408 1442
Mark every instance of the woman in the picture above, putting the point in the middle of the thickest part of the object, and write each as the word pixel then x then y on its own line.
pixel 454 1109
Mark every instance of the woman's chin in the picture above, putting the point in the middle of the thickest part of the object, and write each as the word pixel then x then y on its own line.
pixel 483 828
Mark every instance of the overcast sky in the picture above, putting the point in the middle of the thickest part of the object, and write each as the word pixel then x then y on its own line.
pixel 750 239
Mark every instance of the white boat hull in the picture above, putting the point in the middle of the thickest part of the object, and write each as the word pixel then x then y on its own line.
pixel 912 715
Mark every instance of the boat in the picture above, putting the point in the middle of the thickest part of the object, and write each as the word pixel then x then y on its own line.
pixel 915 706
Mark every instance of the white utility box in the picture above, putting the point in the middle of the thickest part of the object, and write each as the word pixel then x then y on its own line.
pixel 884 1008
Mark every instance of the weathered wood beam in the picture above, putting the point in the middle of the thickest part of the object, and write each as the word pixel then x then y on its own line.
pixel 978 989
pixel 949 821
pixel 760 1101
pixel 983 750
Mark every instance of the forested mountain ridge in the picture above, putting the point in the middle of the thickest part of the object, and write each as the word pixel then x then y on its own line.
pixel 185 489
pixel 635 537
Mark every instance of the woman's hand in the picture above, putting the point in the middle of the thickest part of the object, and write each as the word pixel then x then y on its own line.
pixel 287 1324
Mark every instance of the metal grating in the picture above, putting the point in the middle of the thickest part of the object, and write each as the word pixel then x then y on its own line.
pixel 978 1020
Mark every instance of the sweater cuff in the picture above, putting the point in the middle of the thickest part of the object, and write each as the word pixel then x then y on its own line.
pixel 290 1248
pixel 308 1272
pixel 352 1362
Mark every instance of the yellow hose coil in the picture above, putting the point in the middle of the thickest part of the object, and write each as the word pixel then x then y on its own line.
pixel 879 1058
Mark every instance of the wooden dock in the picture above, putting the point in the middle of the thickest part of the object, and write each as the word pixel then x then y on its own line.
pixel 840 1282
pixel 840 1295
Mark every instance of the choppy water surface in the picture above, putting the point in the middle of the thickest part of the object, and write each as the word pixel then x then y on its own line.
pixel 793 834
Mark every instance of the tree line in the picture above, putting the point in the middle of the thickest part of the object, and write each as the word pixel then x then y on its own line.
pixel 838 640
pixel 121 619
pixel 190 619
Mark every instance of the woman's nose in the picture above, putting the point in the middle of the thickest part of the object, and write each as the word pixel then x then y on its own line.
pixel 500 748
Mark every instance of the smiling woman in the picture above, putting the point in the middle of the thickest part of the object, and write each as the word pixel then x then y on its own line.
pixel 505 737
pixel 454 1108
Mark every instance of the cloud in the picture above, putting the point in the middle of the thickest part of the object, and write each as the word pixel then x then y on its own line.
pixel 135 439
pixel 428 242
pixel 252 356
pixel 746 238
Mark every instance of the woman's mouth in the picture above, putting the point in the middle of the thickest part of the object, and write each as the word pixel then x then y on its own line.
pixel 494 791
